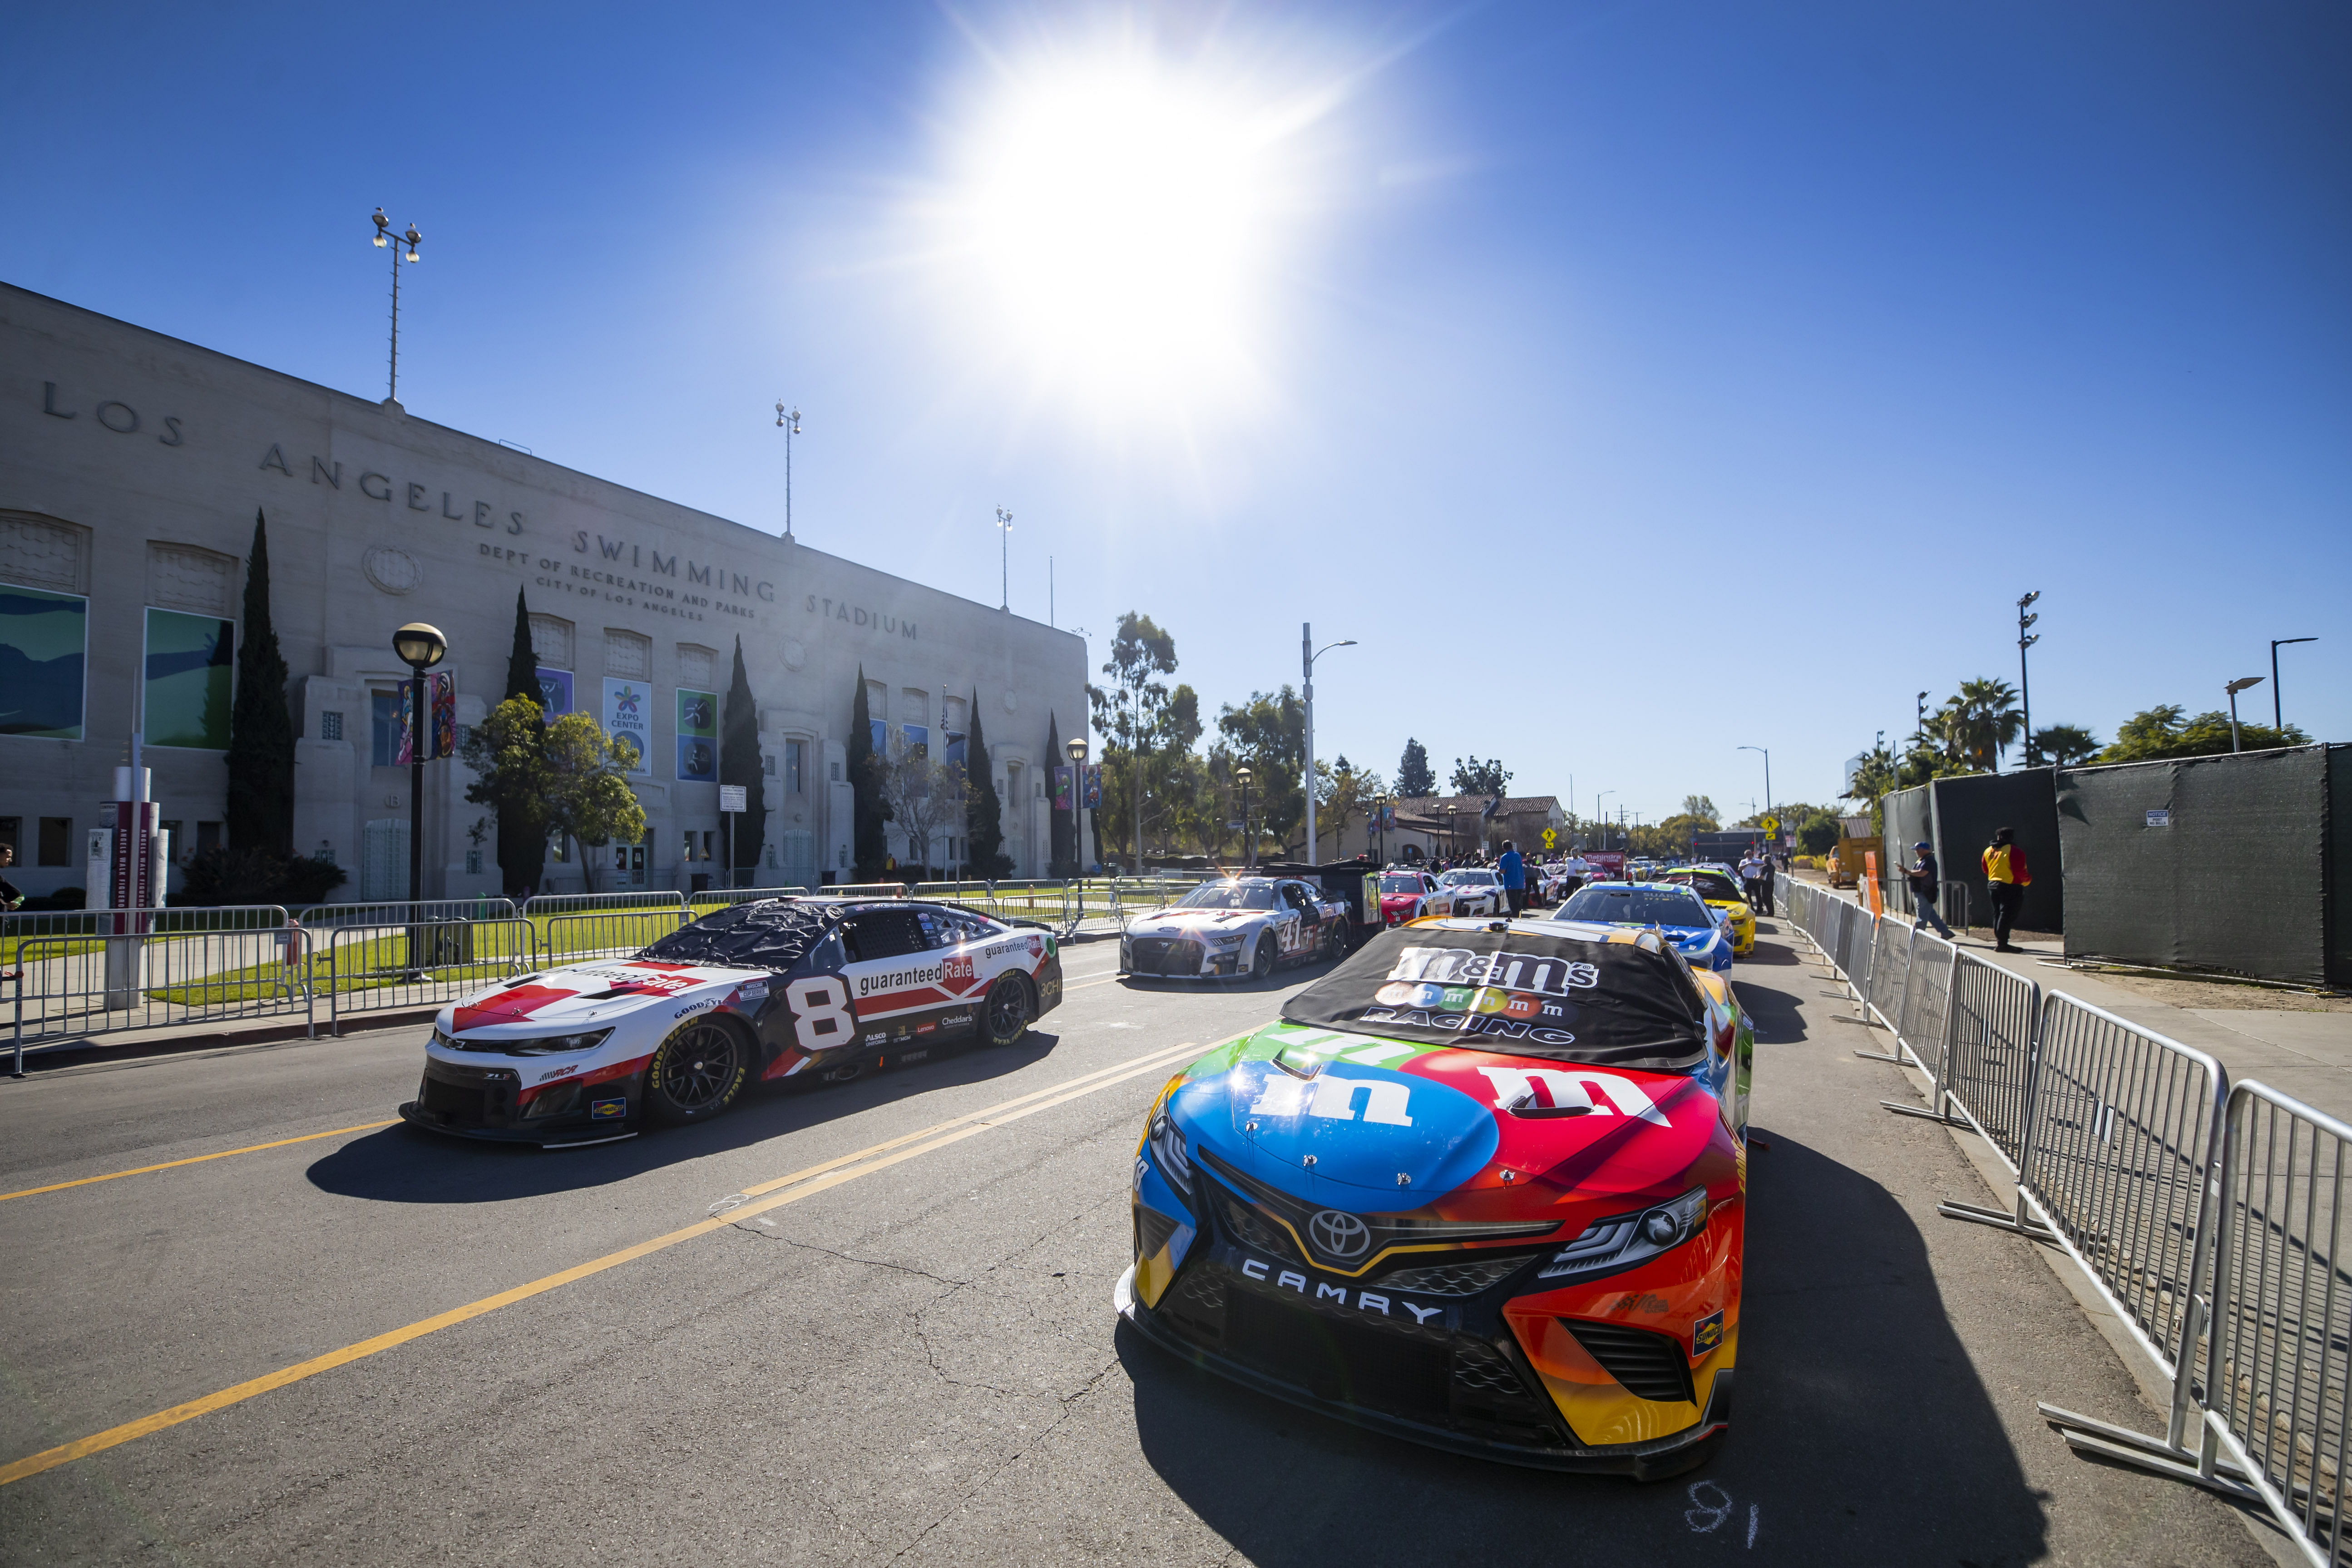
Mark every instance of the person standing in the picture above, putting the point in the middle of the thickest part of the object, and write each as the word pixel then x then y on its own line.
pixel 1752 878
pixel 10 899
pixel 2006 879
pixel 1514 872
pixel 1765 881
pixel 1926 881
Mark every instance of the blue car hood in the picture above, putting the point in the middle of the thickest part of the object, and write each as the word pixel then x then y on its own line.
pixel 1362 1125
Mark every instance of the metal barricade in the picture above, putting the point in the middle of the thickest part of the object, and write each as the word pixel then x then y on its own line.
pixel 367 969
pixel 580 903
pixel 709 898
pixel 69 988
pixel 1882 987
pixel 1953 905
pixel 2275 1355
pixel 866 891
pixel 403 912
pixel 1986 1069
pixel 604 934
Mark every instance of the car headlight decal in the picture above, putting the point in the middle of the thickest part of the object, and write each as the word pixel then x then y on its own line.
pixel 1168 1147
pixel 1619 1242
pixel 536 1046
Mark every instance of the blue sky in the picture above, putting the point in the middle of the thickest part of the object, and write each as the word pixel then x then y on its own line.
pixel 1633 381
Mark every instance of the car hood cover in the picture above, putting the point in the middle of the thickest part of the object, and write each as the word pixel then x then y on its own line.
pixel 1386 1127
pixel 1570 993
pixel 583 994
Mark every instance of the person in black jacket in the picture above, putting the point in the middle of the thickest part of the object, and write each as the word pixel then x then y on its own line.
pixel 1925 883
pixel 10 898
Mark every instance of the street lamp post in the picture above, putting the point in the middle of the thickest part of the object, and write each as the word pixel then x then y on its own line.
pixel 384 237
pixel 420 647
pixel 1918 734
pixel 1249 846
pixel 1077 748
pixel 791 425
pixel 2233 689
pixel 1004 557
pixel 1308 654
pixel 1767 753
pixel 1600 819
pixel 2024 687
pixel 2278 717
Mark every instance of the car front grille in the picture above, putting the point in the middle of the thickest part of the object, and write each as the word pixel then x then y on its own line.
pixel 1463 1279
pixel 1267 1205
pixel 461 1096
pixel 1164 955
pixel 453 1102
pixel 1650 1365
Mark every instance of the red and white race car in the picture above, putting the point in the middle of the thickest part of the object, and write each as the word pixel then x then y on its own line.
pixel 1242 925
pixel 802 988
pixel 1405 896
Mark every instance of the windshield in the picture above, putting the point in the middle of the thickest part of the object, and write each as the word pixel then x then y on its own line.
pixel 1616 903
pixel 1400 885
pixel 1518 992
pixel 1709 884
pixel 1467 879
pixel 1228 896
pixel 771 934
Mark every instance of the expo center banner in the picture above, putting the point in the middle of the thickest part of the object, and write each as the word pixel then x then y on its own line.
pixel 629 710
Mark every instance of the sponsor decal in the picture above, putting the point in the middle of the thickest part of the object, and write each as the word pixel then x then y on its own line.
pixel 877 1036
pixel 906 1056
pixel 1365 1301
pixel 1639 1301
pixel 1339 1234
pixel 1329 1094
pixel 1002 948
pixel 955 1020
pixel 751 991
pixel 1470 1024
pixel 1571 1088
pixel 1706 1336
pixel 607 1109
pixel 925 1028
pixel 557 1072
pixel 695 1006
pixel 897 980
pixel 958 967
pixel 1458 967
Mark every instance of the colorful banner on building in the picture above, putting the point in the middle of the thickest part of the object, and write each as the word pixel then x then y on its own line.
pixel 1093 788
pixel 629 710
pixel 1061 789
pixel 555 692
pixel 190 661
pixel 442 686
pixel 697 736
pixel 43 638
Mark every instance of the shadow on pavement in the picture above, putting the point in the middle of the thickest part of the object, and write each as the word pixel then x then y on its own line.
pixel 406 1164
pixel 1862 1431
pixel 1282 979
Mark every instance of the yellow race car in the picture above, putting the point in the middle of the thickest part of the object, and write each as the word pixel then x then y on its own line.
pixel 1723 893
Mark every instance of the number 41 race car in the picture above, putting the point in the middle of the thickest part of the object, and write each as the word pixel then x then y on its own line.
pixel 802 989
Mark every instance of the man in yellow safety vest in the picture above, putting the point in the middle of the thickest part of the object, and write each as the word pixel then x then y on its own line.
pixel 2006 879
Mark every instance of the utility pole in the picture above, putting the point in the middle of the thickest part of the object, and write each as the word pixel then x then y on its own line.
pixel 1307 655
pixel 1005 564
pixel 2278 715
pixel 2024 690
pixel 791 425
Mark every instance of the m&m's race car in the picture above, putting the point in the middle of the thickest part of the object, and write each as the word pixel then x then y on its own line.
pixel 800 989
pixel 1483 1187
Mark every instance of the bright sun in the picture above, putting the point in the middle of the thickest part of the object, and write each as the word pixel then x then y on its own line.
pixel 1119 213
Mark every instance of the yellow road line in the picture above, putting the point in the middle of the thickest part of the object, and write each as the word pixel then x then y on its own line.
pixel 783 1190
pixel 198 1159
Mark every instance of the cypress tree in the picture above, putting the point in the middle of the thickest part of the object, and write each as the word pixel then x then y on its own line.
pixel 738 763
pixel 983 811
pixel 869 848
pixel 1062 857
pixel 522 847
pixel 260 754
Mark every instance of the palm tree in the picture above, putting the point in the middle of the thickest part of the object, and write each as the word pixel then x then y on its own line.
pixel 1976 723
pixel 2064 745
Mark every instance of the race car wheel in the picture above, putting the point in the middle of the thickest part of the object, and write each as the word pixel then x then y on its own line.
pixel 1004 1017
pixel 698 1073
pixel 1335 943
pixel 1262 960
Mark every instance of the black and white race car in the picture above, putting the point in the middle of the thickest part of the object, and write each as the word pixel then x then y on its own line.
pixel 1469 890
pixel 1242 925
pixel 801 989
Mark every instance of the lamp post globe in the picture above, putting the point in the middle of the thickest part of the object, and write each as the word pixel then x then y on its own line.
pixel 420 647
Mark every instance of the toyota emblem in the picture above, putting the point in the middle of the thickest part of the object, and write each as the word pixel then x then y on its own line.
pixel 1341 1236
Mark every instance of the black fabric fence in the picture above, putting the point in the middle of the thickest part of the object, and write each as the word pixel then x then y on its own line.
pixel 1968 810
pixel 2206 863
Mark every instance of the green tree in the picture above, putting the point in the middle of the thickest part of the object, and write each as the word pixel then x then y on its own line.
pixel 2064 745
pixel 1343 792
pixel 1703 809
pixel 2157 733
pixel 869 848
pixel 1414 780
pixel 522 835
pixel 589 800
pixel 1269 733
pixel 1127 715
pixel 1475 777
pixel 924 796
pixel 260 754
pixel 507 754
pixel 738 763
pixel 1671 838
pixel 984 819
pixel 1976 723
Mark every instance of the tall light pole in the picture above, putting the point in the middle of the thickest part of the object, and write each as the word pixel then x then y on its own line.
pixel 2233 689
pixel 384 237
pixel 1249 845
pixel 1918 733
pixel 420 647
pixel 1307 654
pixel 1598 817
pixel 1004 557
pixel 2278 717
pixel 2025 691
pixel 1767 753
pixel 1077 748
pixel 791 425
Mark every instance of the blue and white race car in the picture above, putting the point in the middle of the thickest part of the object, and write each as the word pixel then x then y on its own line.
pixel 1700 932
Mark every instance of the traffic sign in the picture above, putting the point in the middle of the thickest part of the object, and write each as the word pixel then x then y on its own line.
pixel 1771 825
pixel 731 797
pixel 1550 837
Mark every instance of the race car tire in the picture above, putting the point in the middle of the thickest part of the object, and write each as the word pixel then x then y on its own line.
pixel 1004 1016
pixel 1262 960
pixel 699 1072
pixel 1335 941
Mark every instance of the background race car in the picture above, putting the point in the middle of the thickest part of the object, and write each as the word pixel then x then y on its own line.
pixel 1722 891
pixel 1700 933
pixel 1469 890
pixel 801 989
pixel 1482 1189
pixel 1405 896
pixel 1244 925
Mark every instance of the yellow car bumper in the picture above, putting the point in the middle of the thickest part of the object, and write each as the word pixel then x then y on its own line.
pixel 1743 926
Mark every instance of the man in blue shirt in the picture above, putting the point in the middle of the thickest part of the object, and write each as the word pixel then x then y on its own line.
pixel 1514 872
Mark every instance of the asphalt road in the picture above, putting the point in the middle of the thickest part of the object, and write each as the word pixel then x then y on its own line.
pixel 913 1355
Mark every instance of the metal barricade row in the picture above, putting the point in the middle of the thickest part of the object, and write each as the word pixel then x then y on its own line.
pixel 604 934
pixel 368 969
pixel 69 988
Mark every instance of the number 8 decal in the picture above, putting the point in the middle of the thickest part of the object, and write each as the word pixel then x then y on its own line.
pixel 821 1015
